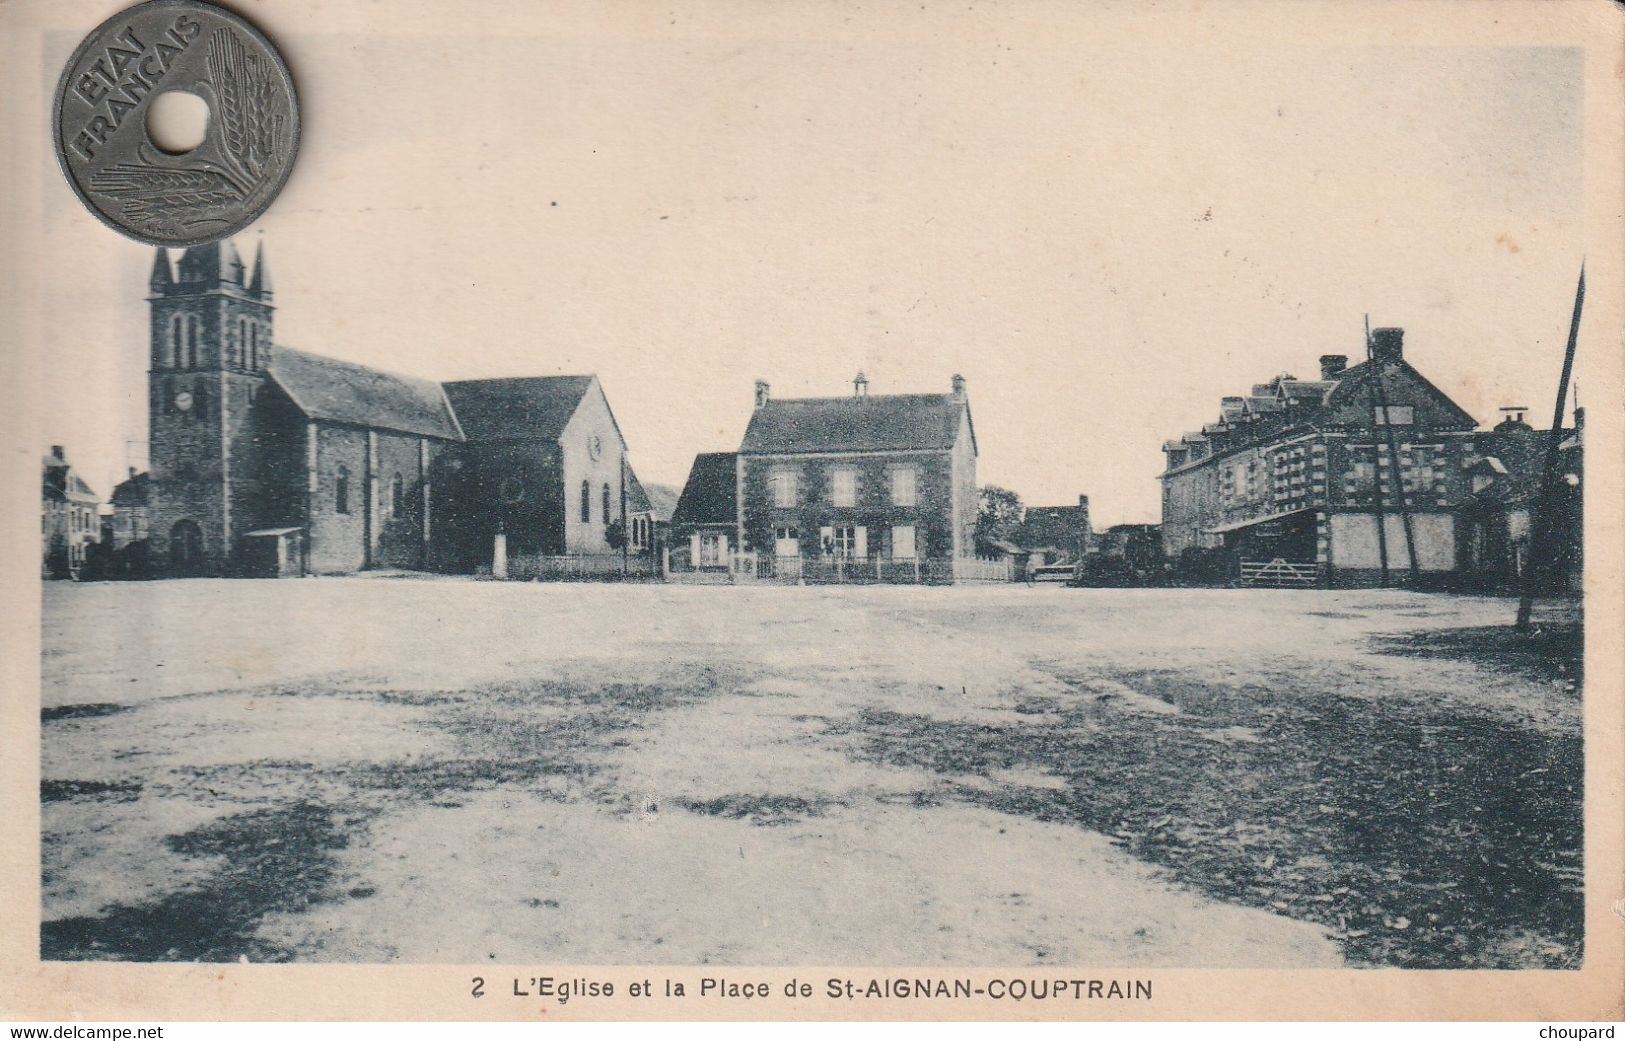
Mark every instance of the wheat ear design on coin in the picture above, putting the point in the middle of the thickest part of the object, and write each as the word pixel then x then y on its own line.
pixel 247 97
pixel 150 192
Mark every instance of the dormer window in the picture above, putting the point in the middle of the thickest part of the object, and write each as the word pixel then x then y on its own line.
pixel 1394 415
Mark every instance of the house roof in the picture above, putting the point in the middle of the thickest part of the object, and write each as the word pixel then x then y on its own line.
pixel 873 423
pixel 526 407
pixel 637 500
pixel 61 483
pixel 662 499
pixel 708 496
pixel 1358 379
pixel 134 491
pixel 344 392
pixel 1307 390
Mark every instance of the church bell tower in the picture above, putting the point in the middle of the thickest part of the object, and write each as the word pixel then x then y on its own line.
pixel 211 346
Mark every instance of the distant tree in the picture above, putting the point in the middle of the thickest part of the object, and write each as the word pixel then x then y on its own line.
pixel 1000 514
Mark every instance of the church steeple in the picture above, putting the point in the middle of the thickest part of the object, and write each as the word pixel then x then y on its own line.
pixel 262 274
pixel 162 279
pixel 212 262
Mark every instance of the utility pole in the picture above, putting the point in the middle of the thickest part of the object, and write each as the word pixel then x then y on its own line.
pixel 1381 395
pixel 1540 535
pixel 1376 470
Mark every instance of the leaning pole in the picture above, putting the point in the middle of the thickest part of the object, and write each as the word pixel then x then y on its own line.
pixel 1540 535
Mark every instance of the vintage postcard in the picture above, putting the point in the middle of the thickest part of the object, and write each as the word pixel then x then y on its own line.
pixel 813 510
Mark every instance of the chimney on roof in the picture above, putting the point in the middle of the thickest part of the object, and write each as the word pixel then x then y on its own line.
pixel 1512 418
pixel 1083 500
pixel 761 393
pixel 132 472
pixel 860 386
pixel 1332 364
pixel 958 384
pixel 1387 344
pixel 58 453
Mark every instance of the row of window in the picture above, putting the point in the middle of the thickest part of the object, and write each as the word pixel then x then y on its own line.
pixel 341 493
pixel 844 541
pixel 397 498
pixel 586 503
pixel 79 519
pixel 844 486
pixel 184 347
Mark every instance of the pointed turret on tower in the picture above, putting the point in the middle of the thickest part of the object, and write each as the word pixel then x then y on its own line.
pixel 162 278
pixel 261 283
pixel 212 262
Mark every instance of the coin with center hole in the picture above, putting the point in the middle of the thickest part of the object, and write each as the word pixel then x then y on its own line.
pixel 204 180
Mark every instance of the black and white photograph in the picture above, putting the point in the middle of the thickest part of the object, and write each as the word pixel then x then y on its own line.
pixel 1095 490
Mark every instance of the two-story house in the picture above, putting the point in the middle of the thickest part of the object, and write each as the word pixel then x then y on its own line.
pixel 69 520
pixel 868 480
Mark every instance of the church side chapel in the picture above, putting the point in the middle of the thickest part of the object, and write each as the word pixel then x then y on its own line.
pixel 267 460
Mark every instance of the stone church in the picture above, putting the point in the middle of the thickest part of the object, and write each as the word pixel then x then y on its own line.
pixel 269 460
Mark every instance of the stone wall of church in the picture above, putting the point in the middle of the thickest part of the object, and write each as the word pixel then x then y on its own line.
pixel 187 467
pixel 398 530
pixel 338 512
pixel 355 520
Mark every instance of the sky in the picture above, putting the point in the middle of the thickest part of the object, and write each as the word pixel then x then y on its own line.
pixel 1105 235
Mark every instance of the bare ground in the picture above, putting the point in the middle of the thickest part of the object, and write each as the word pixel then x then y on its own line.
pixel 376 770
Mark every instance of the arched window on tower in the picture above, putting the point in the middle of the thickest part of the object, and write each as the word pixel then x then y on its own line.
pixel 341 490
pixel 239 352
pixel 189 342
pixel 254 347
pixel 606 502
pixel 172 346
pixel 586 502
